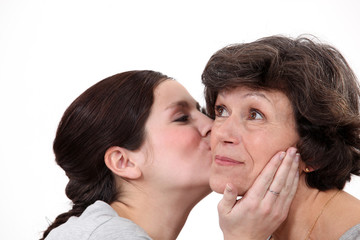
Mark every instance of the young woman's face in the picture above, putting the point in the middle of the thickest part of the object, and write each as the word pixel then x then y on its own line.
pixel 249 129
pixel 177 140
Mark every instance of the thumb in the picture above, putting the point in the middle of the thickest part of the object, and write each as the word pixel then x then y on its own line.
pixel 229 199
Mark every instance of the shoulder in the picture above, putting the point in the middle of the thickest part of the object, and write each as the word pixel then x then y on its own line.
pixel 347 209
pixel 119 228
pixel 98 221
pixel 111 226
pixel 352 234
pixel 342 212
pixel 347 217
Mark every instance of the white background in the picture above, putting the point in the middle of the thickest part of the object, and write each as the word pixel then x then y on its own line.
pixel 51 51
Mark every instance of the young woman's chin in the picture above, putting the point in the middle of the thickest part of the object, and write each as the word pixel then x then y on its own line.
pixel 196 191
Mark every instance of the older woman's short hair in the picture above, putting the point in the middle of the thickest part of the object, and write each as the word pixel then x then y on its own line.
pixel 321 87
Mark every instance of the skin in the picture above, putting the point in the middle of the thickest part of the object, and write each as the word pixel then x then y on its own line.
pixel 177 130
pixel 250 127
pixel 239 219
pixel 169 175
pixel 342 212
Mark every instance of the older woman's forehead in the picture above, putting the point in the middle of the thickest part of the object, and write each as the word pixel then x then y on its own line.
pixel 245 91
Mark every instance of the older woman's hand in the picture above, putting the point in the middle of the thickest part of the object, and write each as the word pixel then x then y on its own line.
pixel 265 205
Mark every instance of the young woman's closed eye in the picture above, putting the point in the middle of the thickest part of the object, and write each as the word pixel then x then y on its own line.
pixel 184 118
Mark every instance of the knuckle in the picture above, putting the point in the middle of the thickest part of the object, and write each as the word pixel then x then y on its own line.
pixel 266 179
pixel 286 188
pixel 252 206
pixel 292 194
pixel 267 210
pixel 279 216
pixel 281 179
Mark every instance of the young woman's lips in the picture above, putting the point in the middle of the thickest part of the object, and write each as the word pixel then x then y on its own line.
pixel 225 161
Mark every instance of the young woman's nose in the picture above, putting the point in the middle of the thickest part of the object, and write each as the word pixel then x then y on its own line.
pixel 226 132
pixel 206 125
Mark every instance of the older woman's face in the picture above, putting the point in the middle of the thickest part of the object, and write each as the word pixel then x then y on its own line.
pixel 250 127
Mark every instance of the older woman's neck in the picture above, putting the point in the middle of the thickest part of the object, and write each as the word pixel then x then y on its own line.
pixel 161 215
pixel 306 207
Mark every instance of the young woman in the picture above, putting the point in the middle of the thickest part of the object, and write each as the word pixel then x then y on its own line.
pixel 277 93
pixel 136 149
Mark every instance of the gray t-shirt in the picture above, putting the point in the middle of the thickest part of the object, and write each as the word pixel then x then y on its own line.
pixel 98 221
pixel 352 234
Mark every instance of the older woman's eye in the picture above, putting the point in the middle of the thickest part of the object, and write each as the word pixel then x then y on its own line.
pixel 255 115
pixel 220 111
pixel 183 118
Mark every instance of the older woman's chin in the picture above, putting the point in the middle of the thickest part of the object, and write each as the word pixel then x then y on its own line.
pixel 219 186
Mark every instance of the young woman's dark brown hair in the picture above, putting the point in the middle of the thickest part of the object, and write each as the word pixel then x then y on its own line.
pixel 110 113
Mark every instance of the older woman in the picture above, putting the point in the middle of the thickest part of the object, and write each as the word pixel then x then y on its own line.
pixel 276 93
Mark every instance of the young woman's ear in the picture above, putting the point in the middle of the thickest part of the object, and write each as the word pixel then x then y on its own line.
pixel 117 160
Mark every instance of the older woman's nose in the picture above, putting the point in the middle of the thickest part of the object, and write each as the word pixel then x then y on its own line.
pixel 226 132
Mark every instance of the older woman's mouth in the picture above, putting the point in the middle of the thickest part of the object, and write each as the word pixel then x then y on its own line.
pixel 225 161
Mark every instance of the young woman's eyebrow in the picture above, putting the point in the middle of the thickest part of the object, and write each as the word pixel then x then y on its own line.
pixel 182 104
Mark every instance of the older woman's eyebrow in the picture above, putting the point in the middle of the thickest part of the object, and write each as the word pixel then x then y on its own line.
pixel 256 94
pixel 250 94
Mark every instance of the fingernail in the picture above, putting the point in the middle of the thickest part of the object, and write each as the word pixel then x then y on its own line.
pixel 293 151
pixel 228 188
pixel 297 157
pixel 282 155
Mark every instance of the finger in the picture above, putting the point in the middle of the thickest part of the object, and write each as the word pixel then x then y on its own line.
pixel 292 174
pixel 263 181
pixel 281 176
pixel 292 189
pixel 282 173
pixel 229 199
pixel 283 202
pixel 284 208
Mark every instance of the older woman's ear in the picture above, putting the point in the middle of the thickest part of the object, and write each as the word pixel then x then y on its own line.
pixel 303 167
pixel 308 169
pixel 118 161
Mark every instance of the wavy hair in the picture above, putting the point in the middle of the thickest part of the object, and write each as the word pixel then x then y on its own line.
pixel 321 87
